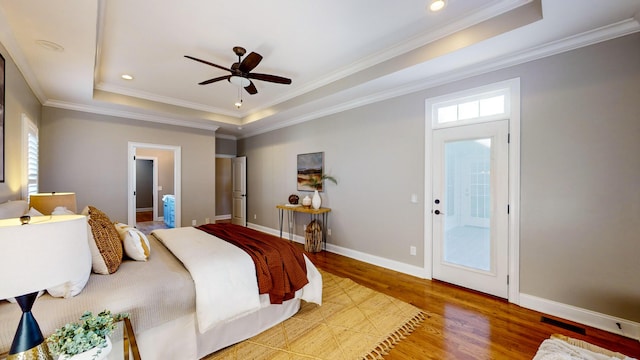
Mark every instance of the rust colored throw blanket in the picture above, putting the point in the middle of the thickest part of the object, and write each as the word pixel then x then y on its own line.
pixel 280 266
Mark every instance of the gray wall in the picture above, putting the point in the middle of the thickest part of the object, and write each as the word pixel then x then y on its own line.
pixel 87 153
pixel 226 146
pixel 223 186
pixel 144 183
pixel 580 175
pixel 19 99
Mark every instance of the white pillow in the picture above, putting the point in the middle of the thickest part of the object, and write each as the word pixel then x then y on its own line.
pixel 136 245
pixel 13 209
pixel 33 212
pixel 134 241
pixel 62 210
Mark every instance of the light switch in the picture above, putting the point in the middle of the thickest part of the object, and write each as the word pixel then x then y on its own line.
pixel 159 187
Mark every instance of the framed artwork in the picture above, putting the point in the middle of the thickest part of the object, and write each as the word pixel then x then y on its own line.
pixel 310 170
pixel 1 119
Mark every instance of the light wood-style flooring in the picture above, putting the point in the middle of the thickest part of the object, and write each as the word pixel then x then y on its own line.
pixel 463 324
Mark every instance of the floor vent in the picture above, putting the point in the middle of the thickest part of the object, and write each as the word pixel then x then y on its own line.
pixel 564 325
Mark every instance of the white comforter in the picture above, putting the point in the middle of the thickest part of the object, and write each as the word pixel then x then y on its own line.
pixel 225 276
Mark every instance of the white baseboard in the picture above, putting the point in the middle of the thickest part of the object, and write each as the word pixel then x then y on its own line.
pixel 357 255
pixel 594 319
pixel 223 217
pixel 601 321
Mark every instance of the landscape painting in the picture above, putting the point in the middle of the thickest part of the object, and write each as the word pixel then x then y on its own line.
pixel 310 170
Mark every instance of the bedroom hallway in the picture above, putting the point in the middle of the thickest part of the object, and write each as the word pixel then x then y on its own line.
pixel 463 324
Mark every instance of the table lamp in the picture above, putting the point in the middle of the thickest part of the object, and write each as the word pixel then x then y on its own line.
pixel 38 253
pixel 45 203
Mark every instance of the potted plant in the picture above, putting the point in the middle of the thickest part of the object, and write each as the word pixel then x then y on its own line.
pixel 316 183
pixel 87 339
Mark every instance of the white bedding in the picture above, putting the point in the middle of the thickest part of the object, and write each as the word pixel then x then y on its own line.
pixel 226 288
pixel 557 349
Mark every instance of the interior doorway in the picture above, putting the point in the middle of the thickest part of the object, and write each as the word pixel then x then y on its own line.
pixel 168 158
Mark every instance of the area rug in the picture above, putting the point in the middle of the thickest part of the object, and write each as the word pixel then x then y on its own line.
pixel 354 322
pixel 560 347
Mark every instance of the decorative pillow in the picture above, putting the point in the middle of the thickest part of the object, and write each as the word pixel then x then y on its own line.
pixel 104 242
pixel 135 242
pixel 34 212
pixel 73 287
pixel 13 209
pixel 62 210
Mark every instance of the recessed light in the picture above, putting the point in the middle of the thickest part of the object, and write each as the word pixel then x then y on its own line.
pixel 127 77
pixel 437 5
pixel 50 45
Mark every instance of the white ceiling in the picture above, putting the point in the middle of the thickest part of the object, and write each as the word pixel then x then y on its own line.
pixel 339 54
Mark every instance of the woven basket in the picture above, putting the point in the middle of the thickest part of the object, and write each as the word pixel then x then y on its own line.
pixel 313 237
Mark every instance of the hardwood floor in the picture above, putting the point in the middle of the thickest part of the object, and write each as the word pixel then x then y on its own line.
pixel 463 324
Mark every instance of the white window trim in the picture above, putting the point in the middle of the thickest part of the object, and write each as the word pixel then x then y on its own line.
pixel 479 93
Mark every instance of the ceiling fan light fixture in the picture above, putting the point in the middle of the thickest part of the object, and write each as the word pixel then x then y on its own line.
pixel 437 5
pixel 239 80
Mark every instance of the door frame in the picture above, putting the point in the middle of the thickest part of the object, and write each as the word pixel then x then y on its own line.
pixel 513 86
pixel 177 176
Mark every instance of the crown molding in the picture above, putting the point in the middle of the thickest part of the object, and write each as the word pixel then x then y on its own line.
pixel 591 37
pixel 130 115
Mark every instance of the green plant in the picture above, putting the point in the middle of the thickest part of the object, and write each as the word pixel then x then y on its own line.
pixel 90 332
pixel 317 183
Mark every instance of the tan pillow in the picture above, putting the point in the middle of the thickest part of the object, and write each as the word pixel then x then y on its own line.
pixel 104 242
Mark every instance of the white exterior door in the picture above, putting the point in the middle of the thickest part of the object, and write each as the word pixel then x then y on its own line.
pixel 239 190
pixel 470 206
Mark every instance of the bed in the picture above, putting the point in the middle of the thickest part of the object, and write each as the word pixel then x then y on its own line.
pixel 169 309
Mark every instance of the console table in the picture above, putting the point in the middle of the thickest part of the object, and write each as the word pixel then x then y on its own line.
pixel 315 214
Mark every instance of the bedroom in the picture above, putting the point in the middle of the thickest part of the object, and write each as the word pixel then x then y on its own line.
pixel 579 172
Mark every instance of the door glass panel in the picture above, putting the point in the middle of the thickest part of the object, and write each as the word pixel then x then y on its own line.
pixel 468 204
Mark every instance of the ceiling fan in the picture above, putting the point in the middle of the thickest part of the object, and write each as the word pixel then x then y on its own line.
pixel 241 71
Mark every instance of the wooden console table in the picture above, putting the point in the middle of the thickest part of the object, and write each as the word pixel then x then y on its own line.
pixel 315 214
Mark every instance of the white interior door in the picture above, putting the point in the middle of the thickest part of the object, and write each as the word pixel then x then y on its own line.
pixel 470 202
pixel 239 190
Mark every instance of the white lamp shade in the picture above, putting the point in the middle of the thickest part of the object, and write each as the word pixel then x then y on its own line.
pixel 45 203
pixel 45 253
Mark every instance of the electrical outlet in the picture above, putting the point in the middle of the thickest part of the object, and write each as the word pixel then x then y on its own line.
pixel 328 232
pixel 207 221
pixel 255 216
pixel 412 250
pixel 193 223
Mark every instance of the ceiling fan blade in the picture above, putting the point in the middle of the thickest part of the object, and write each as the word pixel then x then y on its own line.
pixel 250 62
pixel 226 77
pixel 251 89
pixel 206 62
pixel 270 78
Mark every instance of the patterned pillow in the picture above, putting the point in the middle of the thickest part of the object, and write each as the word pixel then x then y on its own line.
pixel 104 242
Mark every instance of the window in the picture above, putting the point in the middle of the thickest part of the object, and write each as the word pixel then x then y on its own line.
pixel 477 105
pixel 29 157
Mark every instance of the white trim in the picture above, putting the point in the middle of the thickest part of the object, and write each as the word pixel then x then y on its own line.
pixel 594 319
pixel 357 255
pixel 28 126
pixel 177 178
pixel 513 86
pixel 222 217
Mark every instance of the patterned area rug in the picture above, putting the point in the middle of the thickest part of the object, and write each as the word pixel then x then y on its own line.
pixel 354 322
